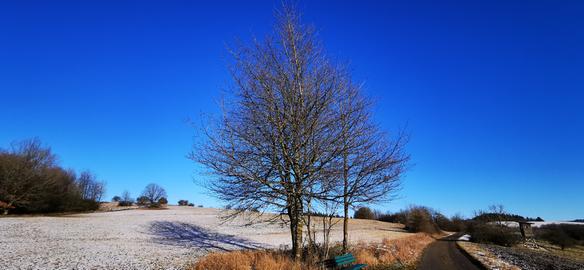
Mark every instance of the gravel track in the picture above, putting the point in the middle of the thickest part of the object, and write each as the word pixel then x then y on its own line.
pixel 146 239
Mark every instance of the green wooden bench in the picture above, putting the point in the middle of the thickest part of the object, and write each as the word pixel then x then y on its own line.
pixel 343 262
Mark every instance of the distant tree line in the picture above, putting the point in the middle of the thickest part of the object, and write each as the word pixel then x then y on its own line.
pixel 416 219
pixel 504 216
pixel 186 203
pixel 486 226
pixel 32 181
pixel 153 196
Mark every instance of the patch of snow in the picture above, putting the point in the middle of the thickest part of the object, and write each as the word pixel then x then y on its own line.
pixel 510 224
pixel 535 224
pixel 465 237
pixel 538 224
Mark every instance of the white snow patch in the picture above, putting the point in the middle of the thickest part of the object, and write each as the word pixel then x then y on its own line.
pixel 534 224
pixel 538 224
pixel 465 237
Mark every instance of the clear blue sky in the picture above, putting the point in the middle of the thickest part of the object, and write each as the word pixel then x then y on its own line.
pixel 492 91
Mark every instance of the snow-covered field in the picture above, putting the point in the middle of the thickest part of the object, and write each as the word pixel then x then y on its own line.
pixel 537 224
pixel 146 239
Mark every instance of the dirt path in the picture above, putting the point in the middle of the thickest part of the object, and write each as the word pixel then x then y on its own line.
pixel 444 254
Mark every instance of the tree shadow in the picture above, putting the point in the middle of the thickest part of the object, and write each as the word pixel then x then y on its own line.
pixel 192 236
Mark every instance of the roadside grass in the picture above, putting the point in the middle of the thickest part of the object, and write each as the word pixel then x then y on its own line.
pixel 487 259
pixel 402 253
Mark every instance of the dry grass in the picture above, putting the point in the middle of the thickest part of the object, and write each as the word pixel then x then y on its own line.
pixel 114 206
pixel 574 253
pixel 404 251
pixel 246 260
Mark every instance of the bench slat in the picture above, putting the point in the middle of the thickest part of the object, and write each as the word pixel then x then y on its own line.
pixel 344 256
pixel 344 259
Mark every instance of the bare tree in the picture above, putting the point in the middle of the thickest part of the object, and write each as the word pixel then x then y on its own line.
pixel 499 214
pixel 273 146
pixel 32 181
pixel 126 197
pixel 297 132
pixel 322 214
pixel 89 187
pixel 371 171
pixel 23 176
pixel 153 192
pixel 371 162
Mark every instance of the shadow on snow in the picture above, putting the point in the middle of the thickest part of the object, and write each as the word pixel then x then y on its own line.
pixel 192 236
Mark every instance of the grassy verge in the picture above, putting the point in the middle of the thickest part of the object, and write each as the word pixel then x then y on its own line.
pixel 573 253
pixel 484 257
pixel 402 253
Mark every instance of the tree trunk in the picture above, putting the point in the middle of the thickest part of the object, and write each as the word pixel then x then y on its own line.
pixel 345 226
pixel 296 232
pixel 293 234
pixel 345 204
pixel 298 253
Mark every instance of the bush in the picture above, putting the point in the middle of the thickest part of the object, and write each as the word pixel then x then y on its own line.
pixel 154 205
pixel 125 203
pixel 443 222
pixel 364 213
pixel 494 234
pixel 116 199
pixel 191 204
pixel 142 201
pixel 423 219
pixel 559 238
pixel 459 223
pixel 162 201
pixel 562 235
pixel 419 219
pixel 574 231
pixel 83 205
pixel 454 224
pixel 399 217
pixel 183 202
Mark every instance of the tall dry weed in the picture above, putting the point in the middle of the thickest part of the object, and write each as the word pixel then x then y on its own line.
pixel 246 260
pixel 403 251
